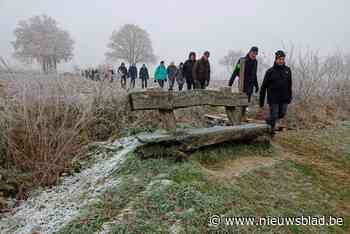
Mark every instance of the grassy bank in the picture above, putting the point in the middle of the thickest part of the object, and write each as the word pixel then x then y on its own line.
pixel 303 173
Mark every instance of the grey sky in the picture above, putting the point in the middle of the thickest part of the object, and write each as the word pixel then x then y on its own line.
pixel 179 26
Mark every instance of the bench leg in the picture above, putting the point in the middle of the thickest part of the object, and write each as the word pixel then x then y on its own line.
pixel 235 114
pixel 168 121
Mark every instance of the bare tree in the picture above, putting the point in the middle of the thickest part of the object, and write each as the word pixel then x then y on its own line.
pixel 324 78
pixel 131 43
pixel 231 59
pixel 39 39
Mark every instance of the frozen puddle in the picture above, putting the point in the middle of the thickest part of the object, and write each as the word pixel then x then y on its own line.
pixel 53 208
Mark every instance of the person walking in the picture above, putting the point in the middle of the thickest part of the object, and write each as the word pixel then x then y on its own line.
pixel 278 85
pixel 201 72
pixel 180 79
pixel 132 74
pixel 144 76
pixel 171 71
pixel 187 70
pixel 123 73
pixel 250 79
pixel 160 74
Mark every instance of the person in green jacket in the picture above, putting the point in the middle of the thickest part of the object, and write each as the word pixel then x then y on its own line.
pixel 160 74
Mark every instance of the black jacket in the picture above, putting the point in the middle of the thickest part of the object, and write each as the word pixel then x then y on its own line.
pixel 187 70
pixel 201 70
pixel 123 71
pixel 132 73
pixel 144 73
pixel 250 75
pixel 278 84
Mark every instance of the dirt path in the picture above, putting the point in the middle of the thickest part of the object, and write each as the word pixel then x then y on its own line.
pixel 53 208
pixel 240 166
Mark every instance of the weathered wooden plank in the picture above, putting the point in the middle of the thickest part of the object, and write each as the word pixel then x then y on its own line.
pixel 151 99
pixel 193 139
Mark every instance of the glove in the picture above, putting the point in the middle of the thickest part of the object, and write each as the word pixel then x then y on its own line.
pixel 256 89
pixel 155 81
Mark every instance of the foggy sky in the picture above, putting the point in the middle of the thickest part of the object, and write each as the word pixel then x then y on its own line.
pixel 178 26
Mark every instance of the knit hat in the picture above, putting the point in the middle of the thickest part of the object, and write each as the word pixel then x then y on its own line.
pixel 254 49
pixel 280 54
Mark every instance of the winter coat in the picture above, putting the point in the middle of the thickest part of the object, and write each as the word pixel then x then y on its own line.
pixel 180 79
pixel 160 73
pixel 132 73
pixel 250 75
pixel 123 71
pixel 187 70
pixel 201 70
pixel 278 84
pixel 172 71
pixel 144 73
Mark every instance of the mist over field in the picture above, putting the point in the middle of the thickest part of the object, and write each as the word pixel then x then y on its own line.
pixel 178 27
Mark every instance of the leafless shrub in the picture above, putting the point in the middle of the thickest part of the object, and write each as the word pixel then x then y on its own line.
pixel 320 86
pixel 42 127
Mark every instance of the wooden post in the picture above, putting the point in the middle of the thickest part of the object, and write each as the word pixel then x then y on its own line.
pixel 241 75
pixel 234 115
pixel 243 110
pixel 168 121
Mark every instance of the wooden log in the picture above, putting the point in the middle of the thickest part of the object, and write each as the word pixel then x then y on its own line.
pixel 153 99
pixel 193 139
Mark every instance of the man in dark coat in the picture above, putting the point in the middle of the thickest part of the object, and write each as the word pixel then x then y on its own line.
pixel 278 85
pixel 201 72
pixel 187 70
pixel 132 74
pixel 123 73
pixel 144 76
pixel 250 72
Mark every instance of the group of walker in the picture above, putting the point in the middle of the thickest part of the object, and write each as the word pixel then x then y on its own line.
pixel 277 84
pixel 196 74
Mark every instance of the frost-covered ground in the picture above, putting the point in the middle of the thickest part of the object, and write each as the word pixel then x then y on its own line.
pixel 51 209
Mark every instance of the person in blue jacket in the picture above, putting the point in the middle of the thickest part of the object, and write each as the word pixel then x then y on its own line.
pixel 160 74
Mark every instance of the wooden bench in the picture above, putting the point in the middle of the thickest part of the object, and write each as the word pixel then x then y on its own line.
pixel 166 102
pixel 177 142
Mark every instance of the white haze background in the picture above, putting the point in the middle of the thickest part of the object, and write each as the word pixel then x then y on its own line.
pixel 177 27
